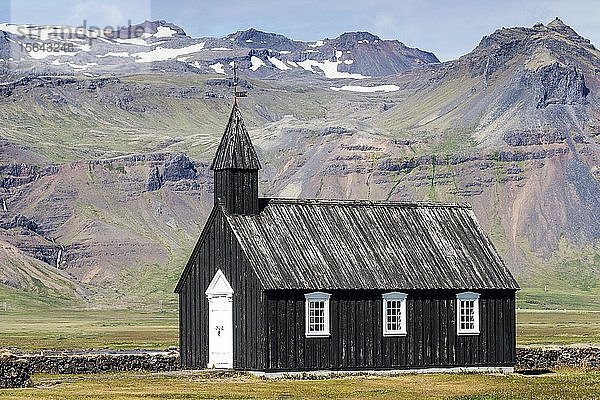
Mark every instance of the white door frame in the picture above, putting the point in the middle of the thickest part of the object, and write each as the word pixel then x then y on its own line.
pixel 220 322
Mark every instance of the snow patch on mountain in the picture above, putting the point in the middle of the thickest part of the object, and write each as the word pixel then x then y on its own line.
pixel 278 63
pixel 330 69
pixel 80 67
pixel 163 54
pixel 256 63
pixel 139 42
pixel 218 68
pixel 10 28
pixel 135 41
pixel 367 89
pixel 164 31
pixel 85 47
pixel 122 54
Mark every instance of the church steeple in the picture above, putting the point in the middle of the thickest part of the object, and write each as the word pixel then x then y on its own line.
pixel 236 168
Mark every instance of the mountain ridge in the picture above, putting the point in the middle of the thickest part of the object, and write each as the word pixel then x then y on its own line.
pixel 159 45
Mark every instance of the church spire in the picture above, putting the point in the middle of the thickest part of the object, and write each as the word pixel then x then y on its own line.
pixel 236 168
pixel 235 150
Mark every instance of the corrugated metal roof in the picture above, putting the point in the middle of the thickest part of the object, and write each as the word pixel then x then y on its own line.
pixel 235 150
pixel 332 244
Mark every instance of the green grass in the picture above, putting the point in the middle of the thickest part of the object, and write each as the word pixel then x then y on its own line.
pixel 564 384
pixel 557 297
pixel 81 329
pixel 131 329
pixel 539 327
pixel 30 300
pixel 569 280
pixel 557 314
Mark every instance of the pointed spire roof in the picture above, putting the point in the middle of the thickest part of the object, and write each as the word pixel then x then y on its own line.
pixel 235 150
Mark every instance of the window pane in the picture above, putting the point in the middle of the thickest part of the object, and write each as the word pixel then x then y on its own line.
pixel 467 315
pixel 316 316
pixel 393 315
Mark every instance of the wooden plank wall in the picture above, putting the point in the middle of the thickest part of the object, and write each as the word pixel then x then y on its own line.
pixel 357 341
pixel 220 250
pixel 238 189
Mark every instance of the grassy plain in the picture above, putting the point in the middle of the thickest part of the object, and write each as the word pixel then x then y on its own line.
pixel 31 323
pixel 83 329
pixel 129 329
pixel 558 316
pixel 562 384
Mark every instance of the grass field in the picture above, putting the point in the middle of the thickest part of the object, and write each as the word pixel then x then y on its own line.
pixel 538 327
pixel 128 329
pixel 562 384
pixel 82 329
pixel 31 323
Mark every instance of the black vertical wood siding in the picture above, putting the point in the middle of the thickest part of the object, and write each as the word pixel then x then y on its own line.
pixel 218 249
pixel 357 340
pixel 238 189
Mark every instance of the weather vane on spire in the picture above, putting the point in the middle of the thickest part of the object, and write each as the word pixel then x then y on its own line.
pixel 237 93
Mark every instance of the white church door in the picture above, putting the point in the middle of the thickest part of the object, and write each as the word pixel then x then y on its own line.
pixel 220 322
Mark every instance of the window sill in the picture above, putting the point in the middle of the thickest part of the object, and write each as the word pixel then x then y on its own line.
pixel 468 333
pixel 388 334
pixel 317 335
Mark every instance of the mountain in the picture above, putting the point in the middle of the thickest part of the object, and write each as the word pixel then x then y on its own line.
pixel 162 46
pixel 105 178
pixel 255 39
pixel 525 90
pixel 154 30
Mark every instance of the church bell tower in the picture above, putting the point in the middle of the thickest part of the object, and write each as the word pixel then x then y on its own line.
pixel 236 168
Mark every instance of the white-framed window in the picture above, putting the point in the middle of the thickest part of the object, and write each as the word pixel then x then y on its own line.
pixel 317 314
pixel 394 314
pixel 467 313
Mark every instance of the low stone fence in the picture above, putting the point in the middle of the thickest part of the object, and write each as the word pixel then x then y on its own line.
pixel 101 362
pixel 14 372
pixel 540 358
pixel 16 369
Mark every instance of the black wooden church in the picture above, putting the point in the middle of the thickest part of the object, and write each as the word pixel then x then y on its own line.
pixel 296 285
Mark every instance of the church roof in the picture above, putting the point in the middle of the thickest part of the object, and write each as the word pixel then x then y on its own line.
pixel 235 150
pixel 337 244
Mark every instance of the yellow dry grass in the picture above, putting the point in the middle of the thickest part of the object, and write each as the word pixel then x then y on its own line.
pixel 564 384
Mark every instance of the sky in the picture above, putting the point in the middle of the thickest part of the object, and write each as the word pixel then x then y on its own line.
pixel 447 28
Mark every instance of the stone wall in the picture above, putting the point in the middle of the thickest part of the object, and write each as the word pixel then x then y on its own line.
pixel 95 363
pixel 536 358
pixel 14 372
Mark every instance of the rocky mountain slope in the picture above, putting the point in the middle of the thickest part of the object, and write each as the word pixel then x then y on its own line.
pixel 161 46
pixel 105 184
